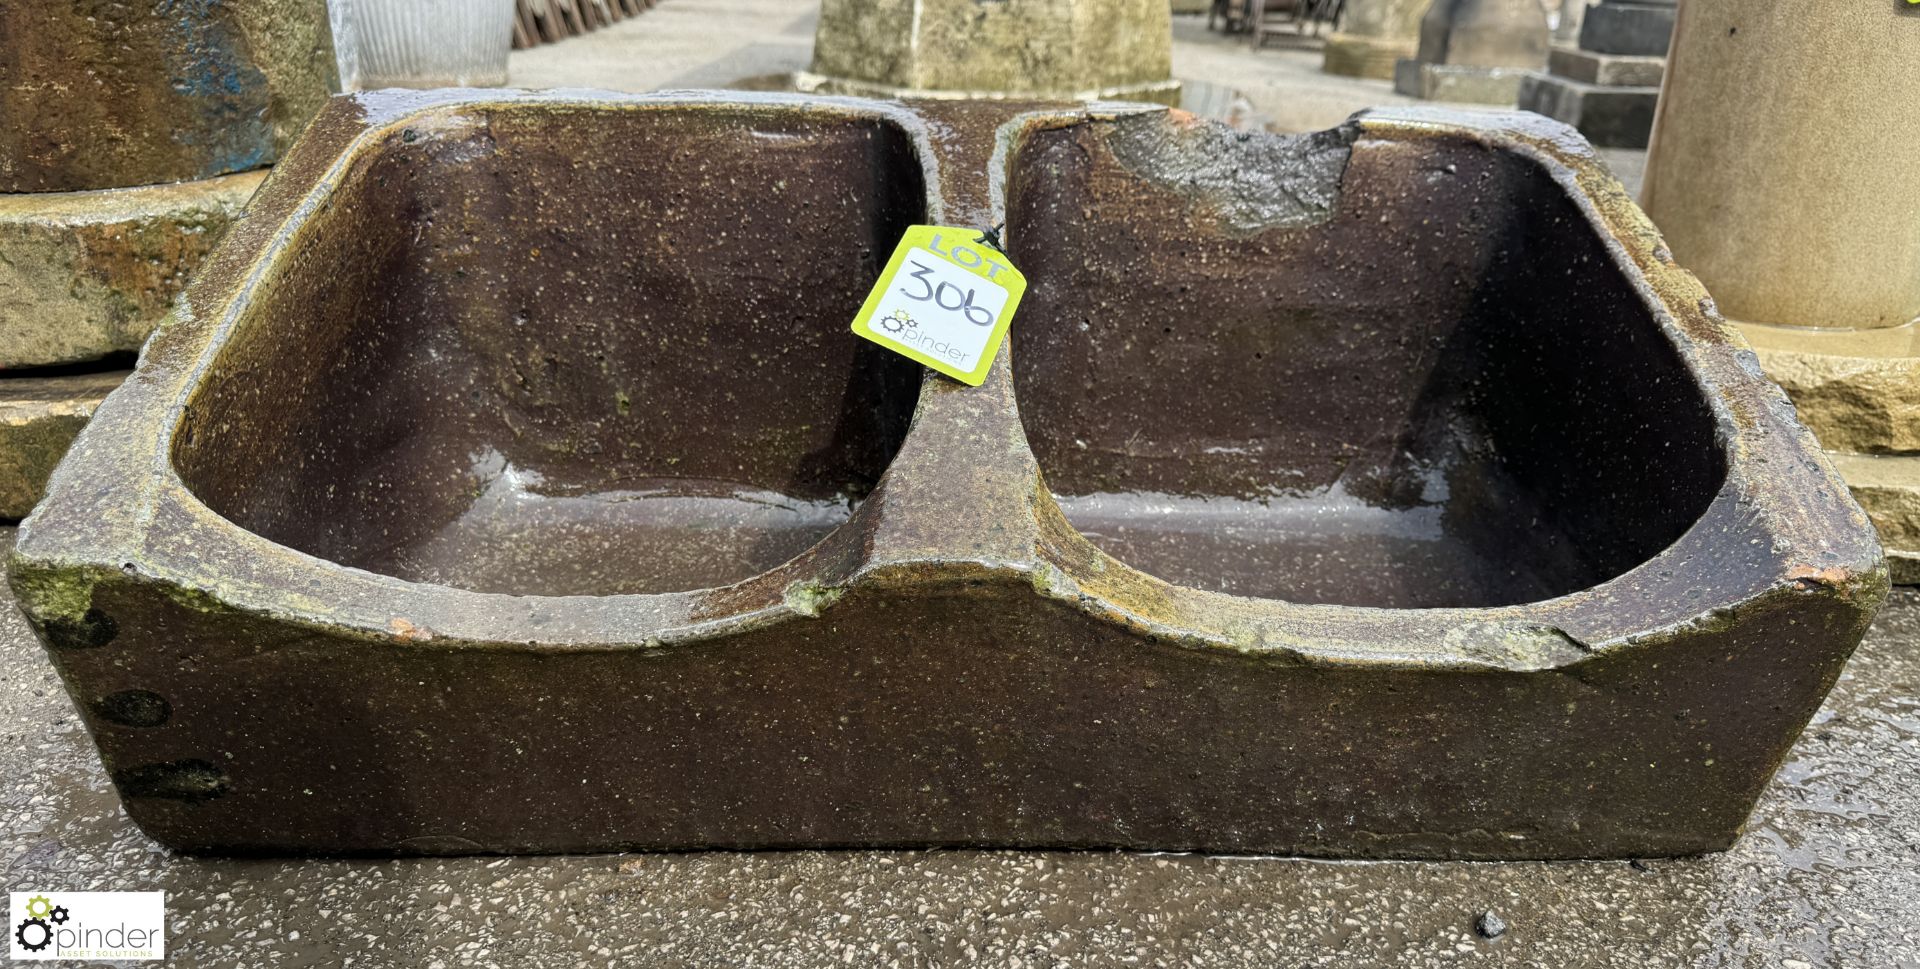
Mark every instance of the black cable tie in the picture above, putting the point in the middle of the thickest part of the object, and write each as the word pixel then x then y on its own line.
pixel 991 238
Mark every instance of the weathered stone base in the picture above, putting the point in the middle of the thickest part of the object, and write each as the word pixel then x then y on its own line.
pixel 39 417
pixel 1155 92
pixel 1353 55
pixel 85 274
pixel 1609 117
pixel 1888 487
pixel 1453 82
pixel 1610 70
pixel 1859 392
pixel 1621 28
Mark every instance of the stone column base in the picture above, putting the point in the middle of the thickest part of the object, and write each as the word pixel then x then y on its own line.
pixel 1609 98
pixel 1455 82
pixel 1156 92
pixel 1623 28
pixel 39 417
pixel 86 274
pixel 1888 487
pixel 1355 55
pixel 1611 70
pixel 1609 117
pixel 1859 392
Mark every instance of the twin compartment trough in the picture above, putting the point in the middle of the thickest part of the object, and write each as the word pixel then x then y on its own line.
pixel 510 481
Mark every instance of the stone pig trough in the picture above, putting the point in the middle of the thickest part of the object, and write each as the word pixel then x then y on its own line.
pixel 509 481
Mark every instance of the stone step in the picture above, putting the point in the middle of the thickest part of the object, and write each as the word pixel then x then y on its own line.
pixel 1610 117
pixel 39 417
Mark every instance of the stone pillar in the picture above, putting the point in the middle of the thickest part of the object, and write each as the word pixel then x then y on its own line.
pixel 1052 49
pixel 1782 173
pixel 1609 90
pixel 1475 50
pixel 133 134
pixel 1373 36
pixel 1566 31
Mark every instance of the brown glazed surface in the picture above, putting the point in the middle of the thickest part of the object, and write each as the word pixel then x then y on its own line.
pixel 1370 406
pixel 509 481
pixel 508 384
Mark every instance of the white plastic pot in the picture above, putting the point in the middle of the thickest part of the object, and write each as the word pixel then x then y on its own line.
pixel 422 43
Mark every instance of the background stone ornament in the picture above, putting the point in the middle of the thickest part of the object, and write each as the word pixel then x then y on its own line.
pixel 1062 49
pixel 1475 50
pixel 1607 87
pixel 663 557
pixel 1373 36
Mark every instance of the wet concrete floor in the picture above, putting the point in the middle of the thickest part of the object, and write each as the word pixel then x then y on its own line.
pixel 1828 876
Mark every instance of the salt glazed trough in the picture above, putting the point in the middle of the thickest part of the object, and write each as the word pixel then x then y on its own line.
pixel 509 481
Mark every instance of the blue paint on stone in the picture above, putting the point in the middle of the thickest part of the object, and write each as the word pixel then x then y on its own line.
pixel 209 64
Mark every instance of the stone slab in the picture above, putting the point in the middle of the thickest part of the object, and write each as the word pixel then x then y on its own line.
pixel 39 417
pixel 1450 82
pixel 112 95
pixel 1610 70
pixel 1857 390
pixel 1643 29
pixel 86 274
pixel 1903 566
pixel 1888 487
pixel 1610 117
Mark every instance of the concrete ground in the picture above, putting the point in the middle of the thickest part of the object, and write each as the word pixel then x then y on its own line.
pixel 1828 875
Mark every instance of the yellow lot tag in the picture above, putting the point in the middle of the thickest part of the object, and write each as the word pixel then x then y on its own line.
pixel 944 299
